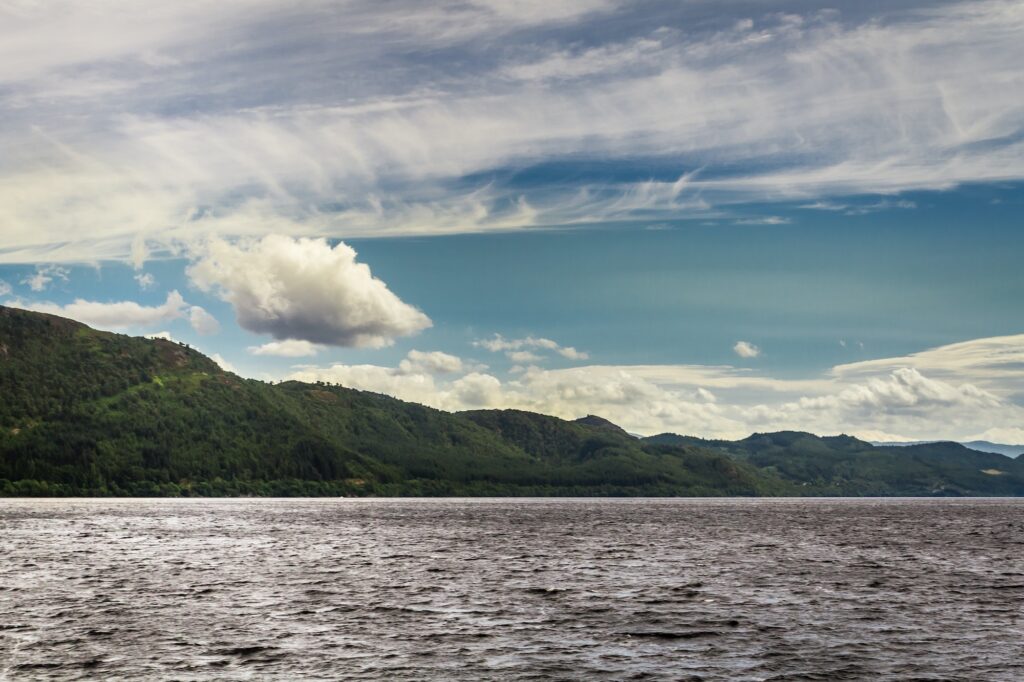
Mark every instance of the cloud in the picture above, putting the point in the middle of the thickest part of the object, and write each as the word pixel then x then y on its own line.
pixel 202 322
pixel 445 101
pixel 860 209
pixel 515 349
pixel 44 275
pixel 572 354
pixel 434 362
pixel 115 316
pixel 745 349
pixel 145 280
pixel 958 392
pixel 570 64
pixel 304 289
pixel 223 364
pixel 765 220
pixel 523 356
pixel 413 381
pixel 995 363
pixel 289 348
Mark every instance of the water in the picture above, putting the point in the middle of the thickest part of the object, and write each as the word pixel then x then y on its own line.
pixel 512 589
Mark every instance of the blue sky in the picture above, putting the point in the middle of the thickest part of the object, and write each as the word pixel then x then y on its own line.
pixel 709 218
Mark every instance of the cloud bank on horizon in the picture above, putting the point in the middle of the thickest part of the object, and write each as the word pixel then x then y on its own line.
pixel 923 396
pixel 130 129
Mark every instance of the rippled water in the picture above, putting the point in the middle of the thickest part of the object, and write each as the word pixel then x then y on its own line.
pixel 512 589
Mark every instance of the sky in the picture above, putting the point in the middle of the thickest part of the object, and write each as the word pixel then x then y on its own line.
pixel 708 218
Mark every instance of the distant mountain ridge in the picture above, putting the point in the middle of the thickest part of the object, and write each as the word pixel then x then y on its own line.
pixel 84 412
pixel 979 445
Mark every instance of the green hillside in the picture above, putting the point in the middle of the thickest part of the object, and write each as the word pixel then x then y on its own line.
pixel 89 412
pixel 84 412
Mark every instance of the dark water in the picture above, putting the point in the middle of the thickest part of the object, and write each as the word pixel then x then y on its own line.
pixel 525 589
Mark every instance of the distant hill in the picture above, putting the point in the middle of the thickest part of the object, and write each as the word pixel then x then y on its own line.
pixel 854 467
pixel 979 445
pixel 84 412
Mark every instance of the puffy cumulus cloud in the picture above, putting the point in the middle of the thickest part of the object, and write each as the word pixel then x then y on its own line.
pixel 413 379
pixel 416 387
pixel 475 390
pixel 518 350
pixel 202 322
pixel 894 401
pixel 116 316
pixel 223 364
pixel 289 348
pixel 903 405
pixel 304 289
pixel 572 354
pixel 745 349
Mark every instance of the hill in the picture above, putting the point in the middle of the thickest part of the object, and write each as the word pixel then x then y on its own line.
pixel 84 412
pixel 979 445
pixel 90 412
pixel 849 466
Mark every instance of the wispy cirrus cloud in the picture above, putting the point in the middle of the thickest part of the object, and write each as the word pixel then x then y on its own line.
pixel 438 117
pixel 521 350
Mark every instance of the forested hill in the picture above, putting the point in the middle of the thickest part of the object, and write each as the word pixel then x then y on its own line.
pixel 84 412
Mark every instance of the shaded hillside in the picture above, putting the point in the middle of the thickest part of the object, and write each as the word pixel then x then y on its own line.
pixel 849 466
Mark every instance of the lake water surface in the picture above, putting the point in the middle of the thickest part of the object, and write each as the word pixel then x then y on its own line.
pixel 751 589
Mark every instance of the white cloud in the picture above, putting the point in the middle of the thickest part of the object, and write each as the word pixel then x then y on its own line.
pixel 958 392
pixel 44 275
pixel 861 209
pixel 523 356
pixel 304 289
pixel 516 349
pixel 765 220
pixel 434 362
pixel 223 364
pixel 145 280
pixel 289 348
pixel 814 106
pixel 745 349
pixel 116 316
pixel 202 322
pixel 994 363
pixel 477 390
pixel 573 354
pixel 165 335
pixel 568 64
